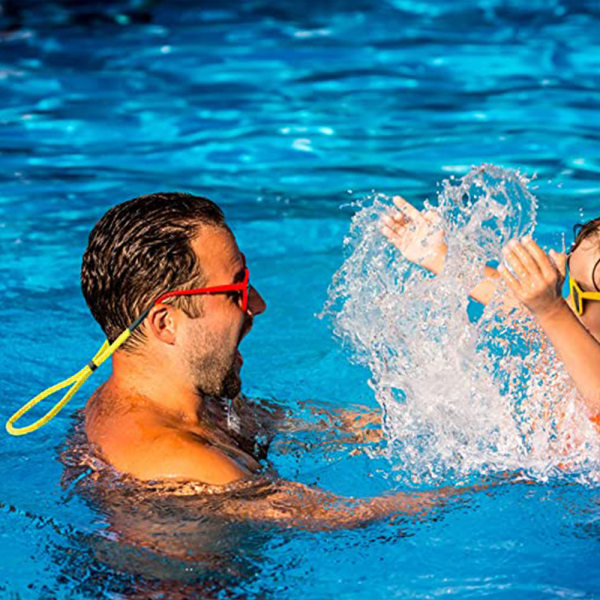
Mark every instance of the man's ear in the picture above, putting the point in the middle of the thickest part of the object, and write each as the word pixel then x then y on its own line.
pixel 162 323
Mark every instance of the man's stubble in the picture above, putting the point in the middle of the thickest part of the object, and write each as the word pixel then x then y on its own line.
pixel 213 367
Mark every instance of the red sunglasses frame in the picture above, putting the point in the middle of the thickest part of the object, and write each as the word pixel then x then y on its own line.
pixel 243 286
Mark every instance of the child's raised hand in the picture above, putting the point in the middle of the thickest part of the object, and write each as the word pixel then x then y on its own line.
pixel 416 234
pixel 536 279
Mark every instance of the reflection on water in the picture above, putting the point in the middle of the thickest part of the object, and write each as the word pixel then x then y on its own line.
pixel 460 394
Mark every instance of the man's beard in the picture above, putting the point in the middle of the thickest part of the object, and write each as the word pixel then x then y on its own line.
pixel 215 374
pixel 231 384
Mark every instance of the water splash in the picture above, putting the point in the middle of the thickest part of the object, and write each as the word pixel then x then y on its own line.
pixel 460 395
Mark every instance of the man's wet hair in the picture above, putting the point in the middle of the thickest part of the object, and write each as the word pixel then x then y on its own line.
pixel 583 231
pixel 140 249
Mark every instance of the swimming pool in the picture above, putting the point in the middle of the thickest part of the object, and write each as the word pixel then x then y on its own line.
pixel 285 114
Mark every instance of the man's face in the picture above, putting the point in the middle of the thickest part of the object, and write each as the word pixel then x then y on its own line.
pixel 210 342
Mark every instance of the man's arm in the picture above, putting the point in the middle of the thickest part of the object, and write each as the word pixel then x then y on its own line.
pixel 537 283
pixel 295 505
pixel 285 503
pixel 355 424
pixel 351 425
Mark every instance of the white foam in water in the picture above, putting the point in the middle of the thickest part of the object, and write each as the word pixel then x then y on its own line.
pixel 460 396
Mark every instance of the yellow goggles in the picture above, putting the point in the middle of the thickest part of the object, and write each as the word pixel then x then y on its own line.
pixel 575 291
pixel 578 295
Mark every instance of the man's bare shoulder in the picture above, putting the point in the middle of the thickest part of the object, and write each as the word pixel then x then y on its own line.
pixel 172 454
pixel 140 444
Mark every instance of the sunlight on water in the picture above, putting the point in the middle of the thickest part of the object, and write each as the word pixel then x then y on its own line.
pixel 462 393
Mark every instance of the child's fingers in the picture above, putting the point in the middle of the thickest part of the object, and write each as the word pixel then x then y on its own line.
pixel 388 231
pixel 406 208
pixel 432 217
pixel 540 257
pixel 515 263
pixel 511 281
pixel 560 260
pixel 490 272
pixel 400 219
pixel 525 257
pixel 396 215
pixel 394 236
pixel 395 225
pixel 395 218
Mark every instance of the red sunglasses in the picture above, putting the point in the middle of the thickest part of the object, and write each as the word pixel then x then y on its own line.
pixel 243 287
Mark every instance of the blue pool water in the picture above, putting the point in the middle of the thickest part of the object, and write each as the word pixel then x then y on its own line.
pixel 285 113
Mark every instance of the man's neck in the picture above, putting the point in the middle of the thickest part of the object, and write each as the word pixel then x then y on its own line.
pixel 138 375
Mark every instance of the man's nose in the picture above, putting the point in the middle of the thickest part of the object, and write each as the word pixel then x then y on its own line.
pixel 256 303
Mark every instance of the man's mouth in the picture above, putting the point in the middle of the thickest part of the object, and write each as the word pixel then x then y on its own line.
pixel 245 329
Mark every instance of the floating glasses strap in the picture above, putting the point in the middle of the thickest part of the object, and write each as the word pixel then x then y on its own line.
pixel 75 381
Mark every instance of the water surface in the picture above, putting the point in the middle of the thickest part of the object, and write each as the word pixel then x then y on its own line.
pixel 284 114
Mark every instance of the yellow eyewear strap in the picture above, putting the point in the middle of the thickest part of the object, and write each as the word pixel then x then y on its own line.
pixel 75 381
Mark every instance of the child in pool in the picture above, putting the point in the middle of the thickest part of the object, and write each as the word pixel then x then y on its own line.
pixel 535 280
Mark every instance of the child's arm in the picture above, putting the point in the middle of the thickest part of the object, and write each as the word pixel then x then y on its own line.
pixel 537 283
pixel 420 238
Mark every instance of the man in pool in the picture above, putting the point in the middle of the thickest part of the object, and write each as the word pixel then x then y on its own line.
pixel 535 279
pixel 171 409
